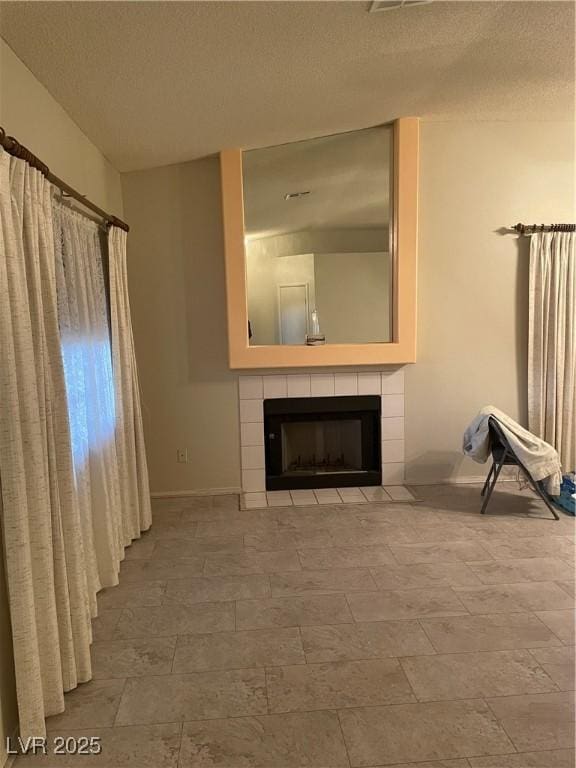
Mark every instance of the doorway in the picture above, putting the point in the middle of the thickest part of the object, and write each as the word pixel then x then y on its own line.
pixel 293 313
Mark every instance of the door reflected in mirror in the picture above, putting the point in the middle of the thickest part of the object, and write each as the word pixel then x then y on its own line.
pixel 317 219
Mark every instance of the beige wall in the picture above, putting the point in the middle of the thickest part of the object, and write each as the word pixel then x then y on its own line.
pixel 176 279
pixel 475 178
pixel 352 296
pixel 28 112
pixel 473 281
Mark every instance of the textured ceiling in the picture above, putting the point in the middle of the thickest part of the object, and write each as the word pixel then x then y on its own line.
pixel 153 83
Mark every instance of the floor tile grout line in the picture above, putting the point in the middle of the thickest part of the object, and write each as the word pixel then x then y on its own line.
pixel 302 645
pixel 341 709
pixel 322 662
pixel 176 643
pixel 337 713
pixel 327 592
pixel 241 668
pixel 268 707
pixel 396 619
pixel 501 722
pixel 423 628
pixel 350 611
pixel 405 673
pixel 300 560
pixel 543 670
pixel 115 718
pixel 338 662
pixel 467 611
pixel 180 744
pixel 325 662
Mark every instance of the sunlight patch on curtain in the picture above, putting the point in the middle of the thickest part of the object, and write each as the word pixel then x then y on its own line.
pixel 85 339
pixel 88 377
pixel 83 319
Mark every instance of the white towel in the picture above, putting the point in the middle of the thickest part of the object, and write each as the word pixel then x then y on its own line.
pixel 539 458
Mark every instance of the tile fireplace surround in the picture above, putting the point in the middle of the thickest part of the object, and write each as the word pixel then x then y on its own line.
pixel 253 390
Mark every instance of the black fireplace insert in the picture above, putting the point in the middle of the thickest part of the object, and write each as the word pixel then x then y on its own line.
pixel 322 442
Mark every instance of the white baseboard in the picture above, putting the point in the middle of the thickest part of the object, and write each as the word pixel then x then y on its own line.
pixel 195 492
pixel 461 481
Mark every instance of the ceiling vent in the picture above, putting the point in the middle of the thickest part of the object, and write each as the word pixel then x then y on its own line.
pixel 390 5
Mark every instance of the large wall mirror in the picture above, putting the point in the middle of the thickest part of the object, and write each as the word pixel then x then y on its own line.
pixel 320 240
pixel 317 239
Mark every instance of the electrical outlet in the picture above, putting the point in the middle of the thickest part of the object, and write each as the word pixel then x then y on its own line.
pixel 182 455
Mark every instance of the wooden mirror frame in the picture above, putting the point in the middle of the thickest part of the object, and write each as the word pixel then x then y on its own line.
pixel 402 348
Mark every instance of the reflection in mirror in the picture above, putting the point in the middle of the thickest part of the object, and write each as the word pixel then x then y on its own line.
pixel 317 223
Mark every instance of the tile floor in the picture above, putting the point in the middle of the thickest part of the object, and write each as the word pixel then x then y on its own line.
pixel 365 635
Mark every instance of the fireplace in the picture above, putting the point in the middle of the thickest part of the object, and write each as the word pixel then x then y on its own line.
pixel 322 442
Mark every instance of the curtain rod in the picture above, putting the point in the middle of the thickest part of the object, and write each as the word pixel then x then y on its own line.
pixel 530 229
pixel 16 149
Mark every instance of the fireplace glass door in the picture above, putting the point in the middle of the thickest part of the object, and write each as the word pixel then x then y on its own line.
pixel 322 442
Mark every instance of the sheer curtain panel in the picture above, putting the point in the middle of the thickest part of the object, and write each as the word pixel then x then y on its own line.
pixel 43 540
pixel 132 467
pixel 85 342
pixel 552 342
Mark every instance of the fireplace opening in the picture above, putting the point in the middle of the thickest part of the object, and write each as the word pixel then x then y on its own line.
pixel 322 442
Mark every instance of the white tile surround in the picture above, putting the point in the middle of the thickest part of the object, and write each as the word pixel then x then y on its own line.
pixel 320 496
pixel 389 384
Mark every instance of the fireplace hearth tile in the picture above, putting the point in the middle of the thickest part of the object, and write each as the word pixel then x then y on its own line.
pixel 279 499
pixel 255 501
pixel 321 496
pixel 399 493
pixel 375 493
pixel 327 496
pixel 303 498
pixel 351 495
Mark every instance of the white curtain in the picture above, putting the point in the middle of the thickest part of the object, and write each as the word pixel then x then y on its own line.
pixel 552 342
pixel 43 538
pixel 134 487
pixel 73 474
pixel 85 341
